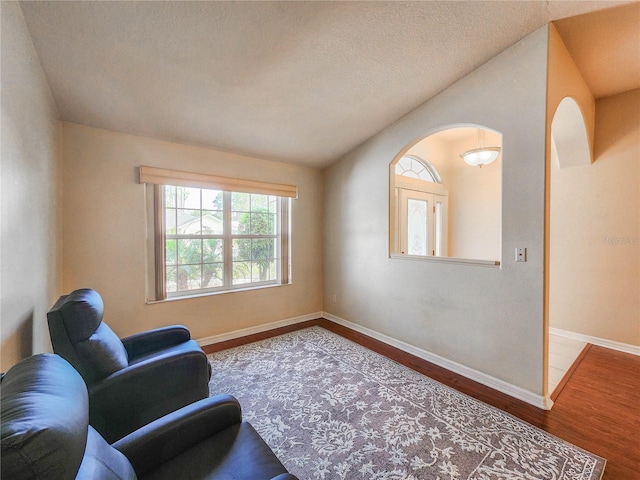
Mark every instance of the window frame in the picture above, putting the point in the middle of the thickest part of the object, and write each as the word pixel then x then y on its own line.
pixel 155 179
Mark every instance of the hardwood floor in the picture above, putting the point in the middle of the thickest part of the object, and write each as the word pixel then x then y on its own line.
pixel 598 408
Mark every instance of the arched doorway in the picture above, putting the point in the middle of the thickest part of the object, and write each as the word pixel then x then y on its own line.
pixel 570 147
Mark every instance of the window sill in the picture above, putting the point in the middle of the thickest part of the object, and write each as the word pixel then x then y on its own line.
pixel 450 260
pixel 209 294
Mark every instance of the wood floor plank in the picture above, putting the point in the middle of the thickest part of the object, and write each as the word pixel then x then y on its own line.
pixel 598 408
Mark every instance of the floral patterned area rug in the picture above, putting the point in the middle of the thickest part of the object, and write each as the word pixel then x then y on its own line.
pixel 332 409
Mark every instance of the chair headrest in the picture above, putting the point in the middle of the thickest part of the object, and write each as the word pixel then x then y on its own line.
pixel 44 418
pixel 81 311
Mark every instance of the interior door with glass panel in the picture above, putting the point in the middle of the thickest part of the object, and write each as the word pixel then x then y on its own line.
pixel 422 227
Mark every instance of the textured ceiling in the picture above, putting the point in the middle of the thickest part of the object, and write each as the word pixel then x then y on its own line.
pixel 301 82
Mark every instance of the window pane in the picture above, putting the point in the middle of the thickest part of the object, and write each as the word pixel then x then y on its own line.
pixel 212 274
pixel 416 166
pixel 240 223
pixel 240 202
pixel 256 272
pixel 417 227
pixel 212 250
pixel 170 196
pixel 212 199
pixel 171 279
pixel 188 222
pixel 241 272
pixel 189 277
pixel 170 221
pixel 212 222
pixel 405 164
pixel 189 251
pixel 263 250
pixel 263 224
pixel 171 254
pixel 263 271
pixel 273 204
pixel 187 197
pixel 259 203
pixel 273 273
pixel 241 249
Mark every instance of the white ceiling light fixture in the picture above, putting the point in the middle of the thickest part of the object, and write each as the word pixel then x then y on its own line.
pixel 481 155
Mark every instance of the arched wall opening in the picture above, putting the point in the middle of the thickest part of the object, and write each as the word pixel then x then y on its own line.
pixel 457 214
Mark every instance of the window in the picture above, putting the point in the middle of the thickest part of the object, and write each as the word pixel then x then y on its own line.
pixel 215 239
pixel 415 167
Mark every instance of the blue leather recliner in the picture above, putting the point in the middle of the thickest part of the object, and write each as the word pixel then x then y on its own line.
pixel 132 381
pixel 44 423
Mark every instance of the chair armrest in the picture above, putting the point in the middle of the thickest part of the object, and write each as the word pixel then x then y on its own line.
pixel 144 343
pixel 177 432
pixel 145 391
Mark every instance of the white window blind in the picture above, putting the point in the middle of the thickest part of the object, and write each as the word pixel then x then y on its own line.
pixel 163 176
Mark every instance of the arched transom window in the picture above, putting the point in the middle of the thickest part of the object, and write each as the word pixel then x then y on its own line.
pixel 413 166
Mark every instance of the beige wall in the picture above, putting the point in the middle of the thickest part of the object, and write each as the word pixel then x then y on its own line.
pixel 104 233
pixel 595 230
pixel 30 211
pixel 485 318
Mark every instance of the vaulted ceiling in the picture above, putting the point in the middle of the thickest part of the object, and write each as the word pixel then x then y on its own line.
pixel 301 82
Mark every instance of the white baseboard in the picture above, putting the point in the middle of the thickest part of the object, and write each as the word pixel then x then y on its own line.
pixel 538 401
pixel 492 382
pixel 480 377
pixel 601 342
pixel 258 329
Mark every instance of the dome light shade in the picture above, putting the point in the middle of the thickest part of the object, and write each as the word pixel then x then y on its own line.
pixel 478 157
pixel 481 155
